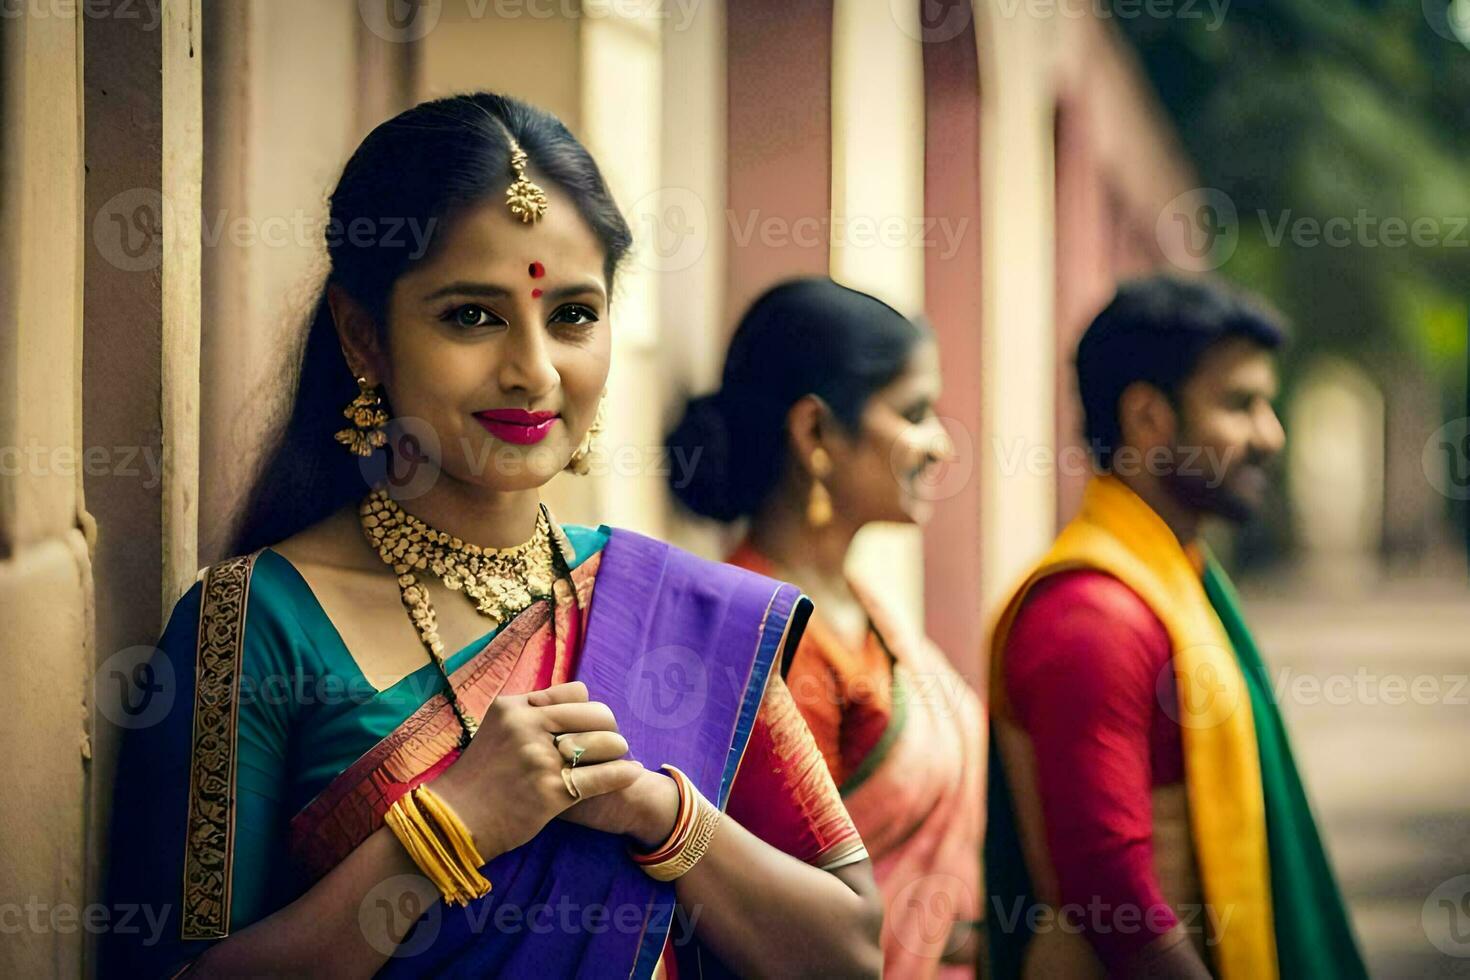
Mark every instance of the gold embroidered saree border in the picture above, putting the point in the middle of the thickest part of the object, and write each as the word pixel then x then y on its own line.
pixel 209 841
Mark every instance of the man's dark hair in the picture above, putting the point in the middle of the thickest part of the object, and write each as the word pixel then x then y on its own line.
pixel 1155 330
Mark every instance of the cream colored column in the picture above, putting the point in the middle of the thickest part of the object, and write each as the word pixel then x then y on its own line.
pixel 622 78
pixel 182 174
pixel 680 234
pixel 45 569
pixel 1015 450
pixel 877 214
pixel 291 89
pixel 143 130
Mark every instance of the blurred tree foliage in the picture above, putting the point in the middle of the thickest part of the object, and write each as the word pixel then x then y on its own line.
pixel 1336 109
pixel 1322 109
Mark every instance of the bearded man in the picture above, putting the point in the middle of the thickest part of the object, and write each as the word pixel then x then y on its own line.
pixel 1146 817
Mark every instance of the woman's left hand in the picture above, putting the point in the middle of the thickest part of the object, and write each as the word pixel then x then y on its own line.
pixel 645 810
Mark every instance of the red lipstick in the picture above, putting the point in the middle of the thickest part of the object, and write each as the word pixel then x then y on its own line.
pixel 517 426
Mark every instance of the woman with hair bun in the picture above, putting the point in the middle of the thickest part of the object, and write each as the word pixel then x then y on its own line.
pixel 825 422
pixel 354 770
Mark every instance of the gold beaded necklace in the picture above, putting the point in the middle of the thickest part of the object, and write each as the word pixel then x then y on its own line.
pixel 501 582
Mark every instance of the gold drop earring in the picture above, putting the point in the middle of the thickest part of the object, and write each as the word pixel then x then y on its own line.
pixel 819 502
pixel 579 462
pixel 368 419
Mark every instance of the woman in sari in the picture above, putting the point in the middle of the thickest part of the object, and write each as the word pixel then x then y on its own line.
pixel 824 422
pixel 358 771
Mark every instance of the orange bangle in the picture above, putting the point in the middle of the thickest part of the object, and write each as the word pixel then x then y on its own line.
pixel 682 822
pixel 676 835
pixel 693 843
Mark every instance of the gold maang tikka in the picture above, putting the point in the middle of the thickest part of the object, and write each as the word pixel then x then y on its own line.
pixel 526 199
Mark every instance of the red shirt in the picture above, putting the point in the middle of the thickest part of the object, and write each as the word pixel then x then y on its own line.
pixel 1082 667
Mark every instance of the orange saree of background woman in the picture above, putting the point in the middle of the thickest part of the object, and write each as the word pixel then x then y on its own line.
pixel 904 738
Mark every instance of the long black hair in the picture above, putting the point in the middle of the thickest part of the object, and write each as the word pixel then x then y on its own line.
pixel 407 180
pixel 804 336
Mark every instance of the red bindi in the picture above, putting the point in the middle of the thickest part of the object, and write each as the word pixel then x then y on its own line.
pixel 537 270
pixel 535 294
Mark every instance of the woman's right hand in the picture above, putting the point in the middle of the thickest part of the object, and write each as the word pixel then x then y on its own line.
pixel 507 783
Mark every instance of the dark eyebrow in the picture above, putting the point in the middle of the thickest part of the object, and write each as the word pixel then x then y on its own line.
pixel 576 289
pixel 468 289
pixel 492 291
pixel 1268 392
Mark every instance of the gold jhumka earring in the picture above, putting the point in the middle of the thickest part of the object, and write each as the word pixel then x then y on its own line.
pixel 819 502
pixel 368 419
pixel 579 464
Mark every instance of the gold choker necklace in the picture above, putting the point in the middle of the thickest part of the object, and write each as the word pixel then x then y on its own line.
pixel 500 581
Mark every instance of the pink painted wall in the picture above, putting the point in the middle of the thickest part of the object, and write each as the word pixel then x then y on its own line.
pixel 780 138
pixel 952 298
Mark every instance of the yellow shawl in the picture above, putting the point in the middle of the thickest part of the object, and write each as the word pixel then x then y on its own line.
pixel 1117 533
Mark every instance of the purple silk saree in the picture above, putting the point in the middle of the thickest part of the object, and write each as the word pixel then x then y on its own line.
pixel 680 649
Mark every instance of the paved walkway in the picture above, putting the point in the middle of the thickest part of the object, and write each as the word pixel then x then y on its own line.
pixel 1376 691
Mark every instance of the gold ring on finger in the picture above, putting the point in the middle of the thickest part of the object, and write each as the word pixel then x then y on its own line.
pixel 577 755
pixel 566 777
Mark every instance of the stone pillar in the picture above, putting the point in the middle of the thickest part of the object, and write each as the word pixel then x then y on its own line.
pixel 45 568
pixel 953 301
pixel 779 143
pixel 142 85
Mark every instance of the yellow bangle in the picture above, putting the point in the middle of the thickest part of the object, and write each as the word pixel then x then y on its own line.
pixel 435 844
pixel 453 828
pixel 454 869
pixel 408 835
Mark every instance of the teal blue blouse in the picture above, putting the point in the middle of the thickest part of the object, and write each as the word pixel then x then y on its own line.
pixel 306 713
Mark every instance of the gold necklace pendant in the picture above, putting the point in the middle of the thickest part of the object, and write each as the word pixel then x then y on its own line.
pixel 501 582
